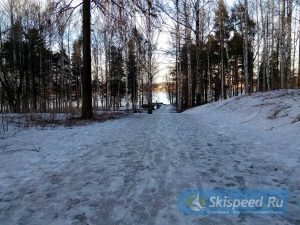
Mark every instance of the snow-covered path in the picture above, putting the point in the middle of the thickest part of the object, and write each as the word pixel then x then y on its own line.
pixel 130 171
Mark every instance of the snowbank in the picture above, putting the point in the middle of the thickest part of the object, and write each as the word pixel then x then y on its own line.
pixel 268 110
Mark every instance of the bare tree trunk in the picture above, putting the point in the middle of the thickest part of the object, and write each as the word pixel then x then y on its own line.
pixel 178 69
pixel 289 43
pixel 268 50
pixel 271 73
pixel 264 53
pixel 2 88
pixel 247 86
pixel 209 73
pixel 87 111
pixel 126 82
pixel 149 60
pixel 294 53
pixel 282 57
pixel 258 47
pixel 188 54
pixel 62 73
pixel 137 54
pixel 299 56
pixel 199 80
pixel 69 91
pixel 124 41
pixel 139 75
pixel 222 61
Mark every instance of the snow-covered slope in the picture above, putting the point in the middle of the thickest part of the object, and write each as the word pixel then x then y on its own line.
pixel 266 127
pixel 274 109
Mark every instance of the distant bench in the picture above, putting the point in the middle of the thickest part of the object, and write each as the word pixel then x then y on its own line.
pixel 155 105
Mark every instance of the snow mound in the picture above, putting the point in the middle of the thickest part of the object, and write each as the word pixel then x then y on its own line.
pixel 266 110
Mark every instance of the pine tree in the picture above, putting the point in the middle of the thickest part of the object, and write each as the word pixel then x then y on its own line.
pixel 76 66
pixel 222 34
pixel 117 76
pixel 132 73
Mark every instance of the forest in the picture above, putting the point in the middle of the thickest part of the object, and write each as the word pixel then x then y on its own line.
pixel 59 56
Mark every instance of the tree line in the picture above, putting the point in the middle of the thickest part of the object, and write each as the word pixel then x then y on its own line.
pixel 223 51
pixel 57 56
pixel 62 55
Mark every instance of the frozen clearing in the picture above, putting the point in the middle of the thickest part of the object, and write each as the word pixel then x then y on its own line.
pixel 131 170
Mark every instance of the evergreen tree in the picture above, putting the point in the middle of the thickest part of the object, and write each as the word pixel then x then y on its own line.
pixel 132 73
pixel 222 31
pixel 76 66
pixel 117 76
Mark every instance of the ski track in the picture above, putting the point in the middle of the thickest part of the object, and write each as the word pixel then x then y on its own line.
pixel 130 171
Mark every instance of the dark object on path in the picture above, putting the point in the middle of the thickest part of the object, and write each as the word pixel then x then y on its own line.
pixel 155 105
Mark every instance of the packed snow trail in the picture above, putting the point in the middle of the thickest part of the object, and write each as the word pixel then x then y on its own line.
pixel 130 171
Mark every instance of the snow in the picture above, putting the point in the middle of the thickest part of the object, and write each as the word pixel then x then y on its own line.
pixel 161 97
pixel 131 170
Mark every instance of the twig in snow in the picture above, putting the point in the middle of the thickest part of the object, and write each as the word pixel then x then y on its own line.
pixel 3 147
pixel 34 149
